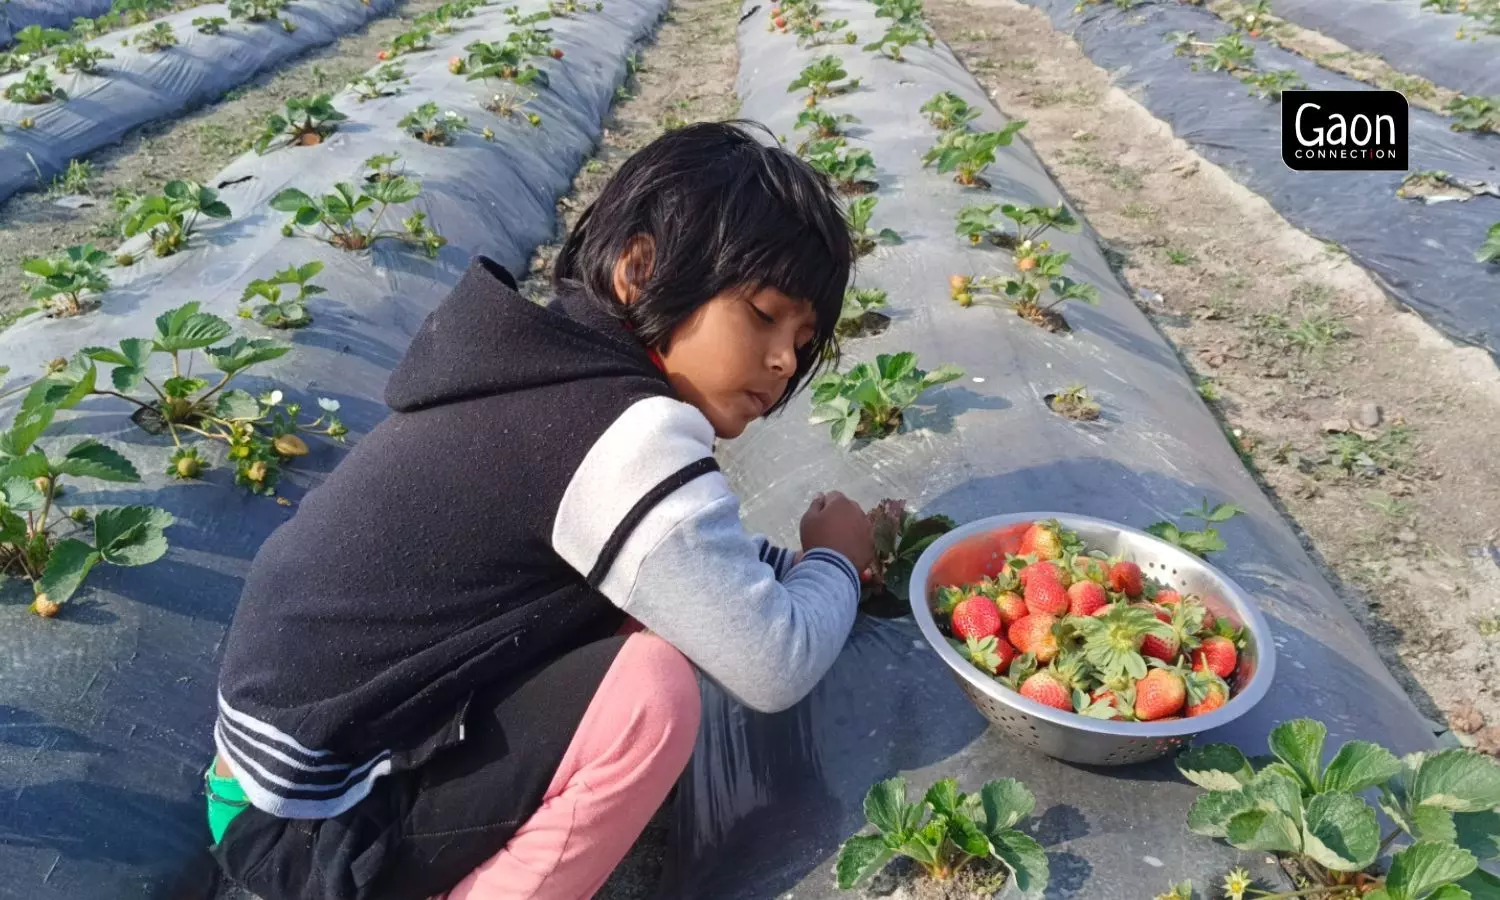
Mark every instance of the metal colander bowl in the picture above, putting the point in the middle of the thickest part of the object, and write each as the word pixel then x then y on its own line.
pixel 977 549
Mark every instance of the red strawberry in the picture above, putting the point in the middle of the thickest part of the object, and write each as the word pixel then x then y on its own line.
pixel 1044 595
pixel 1160 694
pixel 780 22
pixel 1162 648
pixel 1043 569
pixel 556 53
pixel 1217 655
pixel 1042 541
pixel 976 618
pixel 1033 634
pixel 1086 598
pixel 1126 576
pixel 1168 598
pixel 1047 690
pixel 1005 651
pixel 1214 696
pixel 1012 607
pixel 1155 610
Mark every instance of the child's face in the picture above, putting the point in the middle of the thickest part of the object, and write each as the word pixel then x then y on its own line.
pixel 734 356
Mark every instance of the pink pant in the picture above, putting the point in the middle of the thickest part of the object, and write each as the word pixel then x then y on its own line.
pixel 633 743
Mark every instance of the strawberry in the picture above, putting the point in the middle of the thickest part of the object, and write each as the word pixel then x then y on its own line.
pixel 1012 607
pixel 383 55
pixel 1206 692
pixel 1126 577
pixel 1155 610
pixel 991 655
pixel 556 53
pixel 1168 598
pixel 976 618
pixel 1042 541
pixel 1217 655
pixel 1162 647
pixel 1033 634
pixel 1160 694
pixel 780 22
pixel 1045 595
pixel 1045 689
pixel 1042 569
pixel 1086 598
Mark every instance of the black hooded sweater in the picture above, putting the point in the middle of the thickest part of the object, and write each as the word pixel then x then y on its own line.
pixel 536 481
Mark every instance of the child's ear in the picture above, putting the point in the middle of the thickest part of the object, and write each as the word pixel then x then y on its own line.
pixel 633 268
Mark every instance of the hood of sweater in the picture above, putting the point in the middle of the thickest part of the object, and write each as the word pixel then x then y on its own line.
pixel 486 339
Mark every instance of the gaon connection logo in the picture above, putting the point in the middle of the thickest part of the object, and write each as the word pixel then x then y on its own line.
pixel 1344 130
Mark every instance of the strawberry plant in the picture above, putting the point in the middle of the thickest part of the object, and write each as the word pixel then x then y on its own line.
pixel 1034 293
pixel 55 549
pixel 1074 402
pixel 34 41
pixel 261 433
pixel 900 537
pixel 502 60
pixel 1198 543
pixel 349 218
pixel 81 58
pixel 947 111
pixel 256 10
pixel 410 41
pixel 1253 18
pixel 171 216
pixel 210 24
pixel 946 832
pixel 904 12
pixel 307 121
pixel 1489 251
pixel 134 12
pixel 816 32
pixel 63 280
pixel 866 238
pixel 868 401
pixel 897 37
pixel 379 83
pixel 514 17
pixel 278 311
pixel 969 153
pixel 823 78
pixel 822 124
pixel 1443 806
pixel 431 126
pixel 10 62
pixel 35 87
pixel 977 223
pixel 156 38
pixel 1474 113
pixel 860 305
pixel 533 41
pixel 1228 54
pixel 510 101
pixel 1270 85
pixel 851 171
pixel 441 20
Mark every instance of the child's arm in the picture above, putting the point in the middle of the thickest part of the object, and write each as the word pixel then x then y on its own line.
pixel 779 558
pixel 653 525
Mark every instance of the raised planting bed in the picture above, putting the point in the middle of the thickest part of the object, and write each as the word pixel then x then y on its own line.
pixel 110 703
pixel 769 800
pixel 148 78
pixel 19 14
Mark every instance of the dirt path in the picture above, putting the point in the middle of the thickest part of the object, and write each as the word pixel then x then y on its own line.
pixel 193 147
pixel 1375 434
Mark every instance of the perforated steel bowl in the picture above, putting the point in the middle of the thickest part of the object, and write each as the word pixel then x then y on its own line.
pixel 977 549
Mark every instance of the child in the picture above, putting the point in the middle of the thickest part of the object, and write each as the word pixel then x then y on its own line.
pixel 434 684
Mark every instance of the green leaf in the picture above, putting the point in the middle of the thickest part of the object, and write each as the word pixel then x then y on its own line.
pixel 1259 829
pixel 244 353
pixel 861 856
pixel 27 427
pixel 925 844
pixel 1211 813
pixel 30 466
pixel 12 528
pixel 91 459
pixel 1431 823
pixel 1217 767
pixel 966 834
pixel 942 375
pixel 237 404
pixel 1420 869
pixel 21 495
pixel 1271 790
pixel 944 797
pixel 184 328
pixel 67 566
pixel 1458 780
pixel 1299 744
pixel 1340 831
pixel 1478 833
pixel 1450 892
pixel 1359 765
pixel 132 535
pixel 1025 858
pixel 1481 885
pixel 1006 801
pixel 129 361
pixel 885 805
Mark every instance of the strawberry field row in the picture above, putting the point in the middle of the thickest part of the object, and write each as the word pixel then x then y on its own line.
pixel 180 385
pixel 994 363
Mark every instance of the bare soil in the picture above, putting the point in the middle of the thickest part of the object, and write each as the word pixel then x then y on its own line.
pixel 194 147
pixel 1375 434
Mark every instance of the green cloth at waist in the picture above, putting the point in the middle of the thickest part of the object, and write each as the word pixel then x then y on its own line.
pixel 226 799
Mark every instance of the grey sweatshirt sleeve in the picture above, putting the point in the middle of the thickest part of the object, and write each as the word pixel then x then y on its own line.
pixel 652 523
pixel 778 558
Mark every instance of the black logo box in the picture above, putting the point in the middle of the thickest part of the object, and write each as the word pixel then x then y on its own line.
pixel 1363 131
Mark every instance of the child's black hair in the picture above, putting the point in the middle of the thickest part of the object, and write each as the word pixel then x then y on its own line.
pixel 723 211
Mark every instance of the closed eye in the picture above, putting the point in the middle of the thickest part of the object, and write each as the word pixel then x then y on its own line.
pixel 763 317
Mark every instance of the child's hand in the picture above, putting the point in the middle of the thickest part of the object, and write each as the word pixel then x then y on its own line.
pixel 837 523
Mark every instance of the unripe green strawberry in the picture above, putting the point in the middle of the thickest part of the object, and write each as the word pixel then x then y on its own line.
pixel 1159 695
